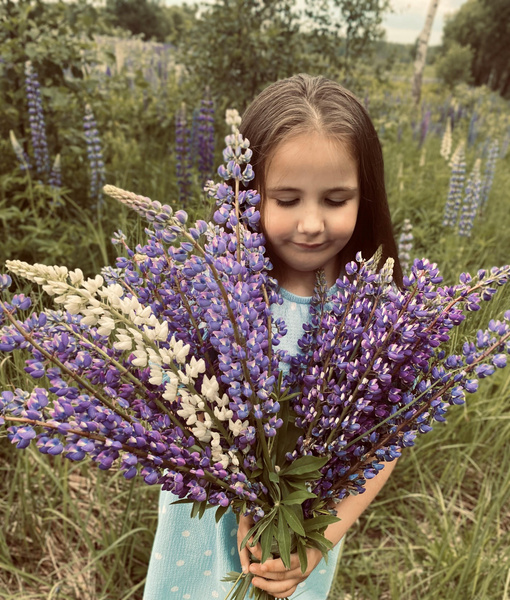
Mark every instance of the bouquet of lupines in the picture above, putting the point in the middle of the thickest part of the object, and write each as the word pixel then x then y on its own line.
pixel 168 366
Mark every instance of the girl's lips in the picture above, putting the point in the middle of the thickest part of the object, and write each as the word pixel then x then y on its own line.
pixel 309 246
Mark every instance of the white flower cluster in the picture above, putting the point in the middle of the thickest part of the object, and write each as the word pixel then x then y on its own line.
pixel 233 119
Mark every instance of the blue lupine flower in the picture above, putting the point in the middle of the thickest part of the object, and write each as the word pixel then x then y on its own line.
pixel 471 202
pixel 95 155
pixel 490 168
pixel 37 122
pixel 453 202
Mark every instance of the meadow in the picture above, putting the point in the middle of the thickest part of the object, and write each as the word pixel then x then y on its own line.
pixel 440 528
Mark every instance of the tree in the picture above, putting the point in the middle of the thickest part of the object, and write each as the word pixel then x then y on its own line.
pixel 342 32
pixel 238 46
pixel 421 53
pixel 454 67
pixel 144 17
pixel 483 26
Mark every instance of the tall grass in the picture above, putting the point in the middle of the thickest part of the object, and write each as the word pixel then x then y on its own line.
pixel 439 530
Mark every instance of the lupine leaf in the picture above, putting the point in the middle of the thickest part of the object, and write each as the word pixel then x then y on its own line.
pixel 303 557
pixel 220 511
pixel 320 522
pixel 304 465
pixel 266 541
pixel 293 520
pixel 298 497
pixel 284 540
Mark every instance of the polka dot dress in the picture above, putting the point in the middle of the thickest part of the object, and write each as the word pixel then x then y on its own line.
pixel 190 557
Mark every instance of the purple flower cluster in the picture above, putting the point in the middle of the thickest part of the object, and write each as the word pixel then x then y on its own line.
pixel 405 245
pixel 37 122
pixel 94 154
pixel 168 365
pixel 490 168
pixel 205 138
pixel 471 202
pixel 453 202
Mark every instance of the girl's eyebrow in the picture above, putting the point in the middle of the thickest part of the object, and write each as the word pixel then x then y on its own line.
pixel 328 191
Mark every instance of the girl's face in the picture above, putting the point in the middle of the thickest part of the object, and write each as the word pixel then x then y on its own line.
pixel 310 208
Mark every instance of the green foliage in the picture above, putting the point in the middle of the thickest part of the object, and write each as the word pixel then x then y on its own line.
pixel 150 19
pixel 454 67
pixel 247 44
pixel 483 26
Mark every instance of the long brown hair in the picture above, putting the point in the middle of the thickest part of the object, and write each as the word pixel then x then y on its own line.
pixel 303 103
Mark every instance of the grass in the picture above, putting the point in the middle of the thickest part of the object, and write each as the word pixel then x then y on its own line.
pixel 440 528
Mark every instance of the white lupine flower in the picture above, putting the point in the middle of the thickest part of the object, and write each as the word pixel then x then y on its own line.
pixel 181 351
pixel 113 293
pixel 92 285
pixel 171 387
pixel 188 412
pixel 194 367
pixel 222 414
pixel 74 304
pixel 124 342
pixel 76 277
pixel 89 320
pixel 166 355
pixel 154 356
pixel 237 427
pixel 141 357
pixel 224 401
pixel 210 388
pixel 233 458
pixel 136 333
pixel 106 325
pixel 202 429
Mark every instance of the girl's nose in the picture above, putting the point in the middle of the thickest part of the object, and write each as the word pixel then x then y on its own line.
pixel 311 222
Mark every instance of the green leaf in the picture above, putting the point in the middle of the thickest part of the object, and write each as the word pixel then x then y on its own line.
pixel 303 557
pixel 295 523
pixel 298 497
pixel 266 541
pixel 220 511
pixel 321 542
pixel 274 477
pixel 320 522
pixel 304 465
pixel 284 540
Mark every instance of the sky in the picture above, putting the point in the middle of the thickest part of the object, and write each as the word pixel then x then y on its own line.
pixel 406 22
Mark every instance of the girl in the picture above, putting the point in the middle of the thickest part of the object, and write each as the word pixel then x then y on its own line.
pixel 319 168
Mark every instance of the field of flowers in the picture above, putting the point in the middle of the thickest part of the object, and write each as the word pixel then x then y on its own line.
pixel 440 528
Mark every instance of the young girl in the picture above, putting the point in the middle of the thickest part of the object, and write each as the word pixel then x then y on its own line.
pixel 319 168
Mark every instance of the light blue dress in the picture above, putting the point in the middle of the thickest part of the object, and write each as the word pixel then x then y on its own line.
pixel 190 557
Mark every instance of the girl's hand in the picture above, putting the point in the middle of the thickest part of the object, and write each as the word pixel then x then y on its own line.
pixel 272 576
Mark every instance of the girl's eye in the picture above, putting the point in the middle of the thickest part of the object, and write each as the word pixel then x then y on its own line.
pixel 290 202
pixel 336 202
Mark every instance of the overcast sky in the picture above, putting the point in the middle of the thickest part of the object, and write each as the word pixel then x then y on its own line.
pixel 406 22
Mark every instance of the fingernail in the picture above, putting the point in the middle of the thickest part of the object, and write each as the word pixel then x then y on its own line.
pixel 245 569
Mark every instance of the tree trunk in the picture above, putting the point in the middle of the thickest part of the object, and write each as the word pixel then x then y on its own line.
pixel 421 51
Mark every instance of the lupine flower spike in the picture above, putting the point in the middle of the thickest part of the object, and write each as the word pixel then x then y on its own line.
pixel 95 155
pixel 471 202
pixel 446 143
pixel 37 122
pixel 21 155
pixel 405 245
pixel 453 202
pixel 490 169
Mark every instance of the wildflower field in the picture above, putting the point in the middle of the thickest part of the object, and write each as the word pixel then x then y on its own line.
pixel 440 528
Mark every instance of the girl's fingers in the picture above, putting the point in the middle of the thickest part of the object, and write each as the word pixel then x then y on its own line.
pixel 278 589
pixel 275 569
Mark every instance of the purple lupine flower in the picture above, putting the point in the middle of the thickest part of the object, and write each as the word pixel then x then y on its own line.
pixel 490 168
pixel 169 365
pixel 452 206
pixel 37 122
pixel 95 155
pixel 473 128
pixel 205 138
pixel 471 202
pixel 424 126
pixel 183 155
